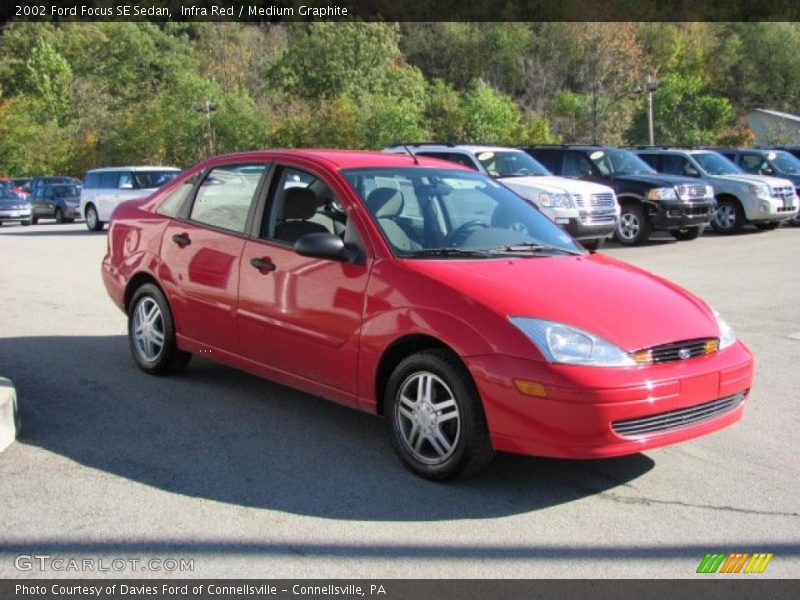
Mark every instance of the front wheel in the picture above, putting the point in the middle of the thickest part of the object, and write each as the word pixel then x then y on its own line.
pixel 595 244
pixel 151 333
pixel 687 233
pixel 59 216
pixel 633 228
pixel 729 217
pixel 93 222
pixel 436 419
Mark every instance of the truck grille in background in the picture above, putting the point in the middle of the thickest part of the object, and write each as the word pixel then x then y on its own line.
pixel 784 193
pixel 594 201
pixel 676 351
pixel 675 419
pixel 692 191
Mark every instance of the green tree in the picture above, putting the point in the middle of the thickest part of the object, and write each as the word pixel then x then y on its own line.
pixel 685 113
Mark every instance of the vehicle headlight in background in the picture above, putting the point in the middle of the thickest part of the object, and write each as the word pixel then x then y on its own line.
pixel 563 344
pixel 759 190
pixel 555 200
pixel 726 335
pixel 663 193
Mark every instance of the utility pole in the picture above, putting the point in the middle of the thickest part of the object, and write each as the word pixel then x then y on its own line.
pixel 207 108
pixel 652 86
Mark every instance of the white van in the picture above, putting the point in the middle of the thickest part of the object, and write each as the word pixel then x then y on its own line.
pixel 104 189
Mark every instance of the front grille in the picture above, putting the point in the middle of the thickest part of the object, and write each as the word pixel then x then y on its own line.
pixel 675 419
pixel 696 210
pixel 783 193
pixel 595 201
pixel 676 351
pixel 693 192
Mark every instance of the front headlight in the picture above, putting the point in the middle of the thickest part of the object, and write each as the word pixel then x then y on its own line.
pixel 663 193
pixel 726 335
pixel 555 200
pixel 563 344
pixel 759 190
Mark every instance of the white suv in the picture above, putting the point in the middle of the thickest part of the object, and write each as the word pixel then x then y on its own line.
pixel 588 211
pixel 104 189
pixel 741 197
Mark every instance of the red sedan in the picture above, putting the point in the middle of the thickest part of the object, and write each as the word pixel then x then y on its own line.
pixel 424 292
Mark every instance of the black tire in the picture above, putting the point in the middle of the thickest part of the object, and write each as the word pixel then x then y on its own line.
pixel 25 223
pixel 687 233
pixel 795 221
pixel 34 220
pixel 471 450
pixel 729 217
pixel 766 226
pixel 59 216
pixel 169 359
pixel 93 222
pixel 634 227
pixel 596 244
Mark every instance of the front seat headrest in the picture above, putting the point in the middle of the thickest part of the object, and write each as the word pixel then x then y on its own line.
pixel 385 202
pixel 299 203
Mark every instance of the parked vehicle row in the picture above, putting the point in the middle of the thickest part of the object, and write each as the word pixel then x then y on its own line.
pixel 432 294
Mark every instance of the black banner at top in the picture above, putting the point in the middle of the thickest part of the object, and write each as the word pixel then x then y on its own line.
pixel 400 10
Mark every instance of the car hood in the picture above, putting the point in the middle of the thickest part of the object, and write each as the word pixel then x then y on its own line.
pixel 13 203
pixel 621 303
pixel 657 179
pixel 758 179
pixel 558 184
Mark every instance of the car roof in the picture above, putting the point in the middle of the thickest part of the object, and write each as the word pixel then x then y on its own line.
pixel 133 168
pixel 347 159
pixel 445 147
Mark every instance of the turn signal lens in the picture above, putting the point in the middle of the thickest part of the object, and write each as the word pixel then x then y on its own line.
pixel 530 388
pixel 711 346
pixel 642 357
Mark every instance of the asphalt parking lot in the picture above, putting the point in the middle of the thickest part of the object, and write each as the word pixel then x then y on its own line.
pixel 252 479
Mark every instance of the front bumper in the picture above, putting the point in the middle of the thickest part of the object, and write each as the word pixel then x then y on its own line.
pixel 583 405
pixel 773 209
pixel 676 215
pixel 22 214
pixel 583 229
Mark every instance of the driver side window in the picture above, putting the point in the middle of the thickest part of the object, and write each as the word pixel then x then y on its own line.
pixel 576 164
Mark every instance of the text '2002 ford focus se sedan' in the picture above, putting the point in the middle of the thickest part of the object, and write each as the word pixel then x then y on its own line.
pixel 425 292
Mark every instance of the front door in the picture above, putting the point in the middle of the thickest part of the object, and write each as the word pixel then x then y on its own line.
pixel 297 314
pixel 201 254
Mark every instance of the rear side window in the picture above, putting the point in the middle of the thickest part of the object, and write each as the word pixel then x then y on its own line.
pixel 224 198
pixel 91 181
pixel 109 180
pixel 171 205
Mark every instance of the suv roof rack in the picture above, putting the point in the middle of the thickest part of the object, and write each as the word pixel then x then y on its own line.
pixel 418 144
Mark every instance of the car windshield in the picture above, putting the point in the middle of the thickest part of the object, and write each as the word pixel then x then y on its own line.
pixel 714 163
pixel 510 163
pixel 443 213
pixel 619 162
pixel 154 179
pixel 785 162
pixel 65 191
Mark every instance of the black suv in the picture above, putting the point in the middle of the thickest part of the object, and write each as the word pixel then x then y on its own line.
pixel 648 200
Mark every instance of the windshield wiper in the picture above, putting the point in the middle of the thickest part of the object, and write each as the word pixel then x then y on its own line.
pixel 532 247
pixel 447 253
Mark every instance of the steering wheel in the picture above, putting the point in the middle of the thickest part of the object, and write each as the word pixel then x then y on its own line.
pixel 460 233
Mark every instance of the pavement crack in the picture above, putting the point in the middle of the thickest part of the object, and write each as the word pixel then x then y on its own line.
pixel 722 508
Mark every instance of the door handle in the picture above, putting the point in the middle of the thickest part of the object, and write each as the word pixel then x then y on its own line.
pixel 182 239
pixel 262 264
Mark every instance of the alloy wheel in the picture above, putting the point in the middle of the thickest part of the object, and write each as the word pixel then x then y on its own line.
pixel 148 329
pixel 629 226
pixel 725 217
pixel 428 418
pixel 91 218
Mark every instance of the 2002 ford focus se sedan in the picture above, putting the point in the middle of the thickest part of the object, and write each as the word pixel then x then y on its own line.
pixel 425 292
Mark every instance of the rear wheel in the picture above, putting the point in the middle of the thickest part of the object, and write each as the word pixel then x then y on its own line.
pixel 436 419
pixel 766 226
pixel 687 233
pixel 93 222
pixel 633 228
pixel 151 333
pixel 729 217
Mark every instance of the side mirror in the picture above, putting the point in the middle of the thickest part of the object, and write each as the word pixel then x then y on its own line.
pixel 326 245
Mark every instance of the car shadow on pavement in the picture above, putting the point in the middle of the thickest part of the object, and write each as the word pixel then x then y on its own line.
pixel 52 232
pixel 220 434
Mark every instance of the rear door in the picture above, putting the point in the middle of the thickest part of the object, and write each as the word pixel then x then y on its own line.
pixel 201 250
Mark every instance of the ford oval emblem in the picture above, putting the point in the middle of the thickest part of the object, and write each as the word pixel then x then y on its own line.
pixel 684 353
